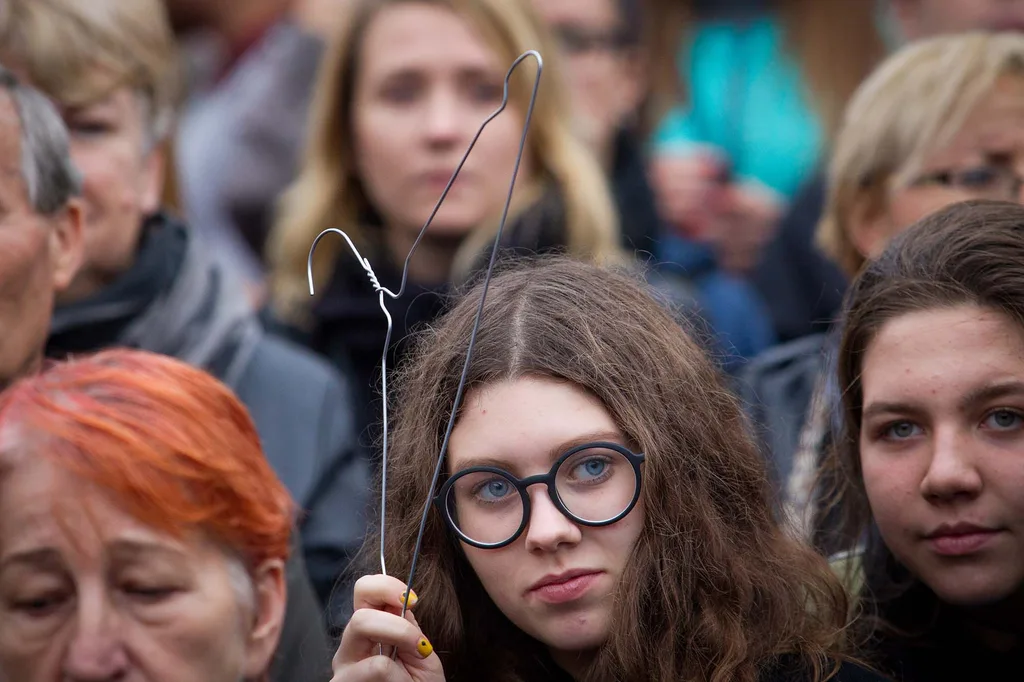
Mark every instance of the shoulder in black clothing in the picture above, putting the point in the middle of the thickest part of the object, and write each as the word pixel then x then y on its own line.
pixel 789 670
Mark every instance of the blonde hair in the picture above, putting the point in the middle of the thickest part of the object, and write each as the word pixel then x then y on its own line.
pixel 914 103
pixel 79 51
pixel 328 192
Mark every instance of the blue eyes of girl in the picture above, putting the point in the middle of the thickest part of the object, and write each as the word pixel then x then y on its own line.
pixel 1002 419
pixel 589 470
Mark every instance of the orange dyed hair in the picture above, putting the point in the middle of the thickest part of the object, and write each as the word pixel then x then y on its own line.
pixel 169 443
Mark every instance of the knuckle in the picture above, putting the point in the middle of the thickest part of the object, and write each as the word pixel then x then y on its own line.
pixel 410 632
pixel 360 618
pixel 379 666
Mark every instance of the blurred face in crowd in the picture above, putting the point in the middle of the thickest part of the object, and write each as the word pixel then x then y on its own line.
pixel 229 16
pixel 982 161
pixel 122 183
pixel 942 446
pixel 920 18
pixel 188 15
pixel 426 79
pixel 88 593
pixel 557 579
pixel 39 256
pixel 604 69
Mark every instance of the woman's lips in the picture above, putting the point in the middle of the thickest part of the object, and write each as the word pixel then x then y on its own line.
pixel 961 544
pixel 565 590
pixel 438 180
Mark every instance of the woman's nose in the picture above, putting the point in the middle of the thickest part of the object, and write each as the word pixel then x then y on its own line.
pixel 444 119
pixel 951 472
pixel 548 528
pixel 96 651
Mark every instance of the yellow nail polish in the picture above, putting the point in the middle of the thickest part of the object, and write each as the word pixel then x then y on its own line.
pixel 412 598
pixel 424 648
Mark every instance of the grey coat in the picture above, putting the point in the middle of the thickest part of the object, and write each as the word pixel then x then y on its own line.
pixel 299 403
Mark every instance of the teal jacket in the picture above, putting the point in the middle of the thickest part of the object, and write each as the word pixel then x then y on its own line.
pixel 747 97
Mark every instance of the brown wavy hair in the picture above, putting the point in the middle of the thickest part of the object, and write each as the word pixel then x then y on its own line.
pixel 971 253
pixel 715 590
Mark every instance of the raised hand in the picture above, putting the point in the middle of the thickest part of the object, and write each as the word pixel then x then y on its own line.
pixel 377 623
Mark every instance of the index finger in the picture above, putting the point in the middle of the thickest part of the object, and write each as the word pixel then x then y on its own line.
pixel 381 591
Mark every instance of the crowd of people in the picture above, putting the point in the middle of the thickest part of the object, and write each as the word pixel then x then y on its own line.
pixel 744 401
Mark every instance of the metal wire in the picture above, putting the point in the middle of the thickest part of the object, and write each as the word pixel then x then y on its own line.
pixel 382 291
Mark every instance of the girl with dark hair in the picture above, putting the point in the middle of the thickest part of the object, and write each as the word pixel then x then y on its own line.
pixel 928 475
pixel 651 552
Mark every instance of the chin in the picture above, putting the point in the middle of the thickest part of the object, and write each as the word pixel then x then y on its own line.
pixel 574 632
pixel 563 640
pixel 978 589
pixel 453 220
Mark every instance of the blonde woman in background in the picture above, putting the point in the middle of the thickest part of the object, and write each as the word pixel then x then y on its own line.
pixel 402 90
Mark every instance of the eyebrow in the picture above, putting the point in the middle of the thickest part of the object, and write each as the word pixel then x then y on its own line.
pixel 43 558
pixel 462 73
pixel 973 398
pixel 133 548
pixel 881 407
pixel 50 559
pixel 984 394
pixel 552 454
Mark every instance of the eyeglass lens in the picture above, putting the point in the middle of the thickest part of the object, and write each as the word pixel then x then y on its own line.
pixel 983 182
pixel 594 485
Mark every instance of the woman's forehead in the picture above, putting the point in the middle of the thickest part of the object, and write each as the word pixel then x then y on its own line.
pixel 424 38
pixel 528 422
pixel 44 505
pixel 995 123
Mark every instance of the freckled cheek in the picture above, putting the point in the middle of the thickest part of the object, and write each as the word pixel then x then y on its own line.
pixel 890 490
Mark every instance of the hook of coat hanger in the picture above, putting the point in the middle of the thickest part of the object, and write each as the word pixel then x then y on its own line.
pixel 385 292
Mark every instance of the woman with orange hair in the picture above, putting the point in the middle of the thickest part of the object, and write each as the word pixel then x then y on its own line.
pixel 143 535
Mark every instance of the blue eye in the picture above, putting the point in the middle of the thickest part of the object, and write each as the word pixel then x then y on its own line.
pixel 1003 420
pixel 591 468
pixel 493 489
pixel 902 430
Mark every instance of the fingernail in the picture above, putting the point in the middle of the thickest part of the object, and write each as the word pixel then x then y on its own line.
pixel 412 598
pixel 424 648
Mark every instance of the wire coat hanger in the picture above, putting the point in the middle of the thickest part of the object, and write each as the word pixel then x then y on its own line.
pixel 384 291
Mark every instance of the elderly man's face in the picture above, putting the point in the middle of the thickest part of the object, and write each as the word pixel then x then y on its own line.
pixel 39 255
pixel 922 18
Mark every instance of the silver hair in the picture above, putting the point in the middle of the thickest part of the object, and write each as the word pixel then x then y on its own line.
pixel 50 177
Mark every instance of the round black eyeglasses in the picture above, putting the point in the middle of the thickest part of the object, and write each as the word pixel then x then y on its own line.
pixel 594 484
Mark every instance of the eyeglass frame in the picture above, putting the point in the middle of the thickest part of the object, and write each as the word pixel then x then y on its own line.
pixel 549 479
pixel 947 177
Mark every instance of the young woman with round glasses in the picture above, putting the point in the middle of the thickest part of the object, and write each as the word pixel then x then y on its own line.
pixel 602 515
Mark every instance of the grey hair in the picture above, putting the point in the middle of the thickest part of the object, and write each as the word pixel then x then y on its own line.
pixel 50 177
